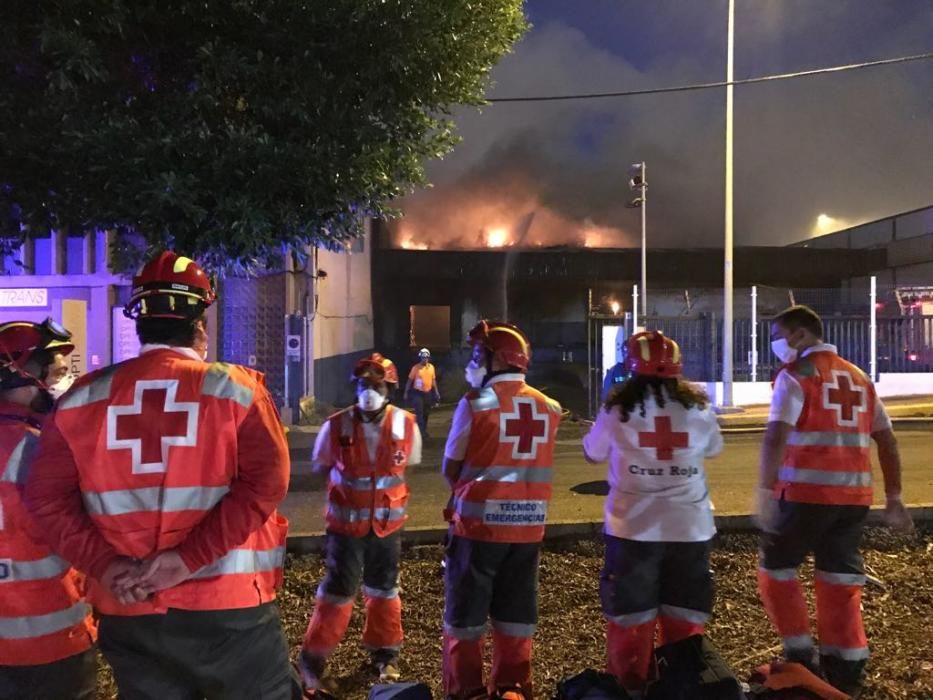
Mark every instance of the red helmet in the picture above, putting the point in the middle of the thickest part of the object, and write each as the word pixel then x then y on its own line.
pixel 505 341
pixel 170 286
pixel 19 343
pixel 652 354
pixel 369 369
pixel 391 373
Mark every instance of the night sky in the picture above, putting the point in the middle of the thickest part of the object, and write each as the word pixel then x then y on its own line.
pixel 856 146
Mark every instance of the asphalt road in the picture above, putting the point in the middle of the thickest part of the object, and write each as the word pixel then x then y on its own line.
pixel 579 488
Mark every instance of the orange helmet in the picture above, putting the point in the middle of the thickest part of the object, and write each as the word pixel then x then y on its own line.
pixel 505 341
pixel 652 354
pixel 19 343
pixel 391 373
pixel 170 286
pixel 369 369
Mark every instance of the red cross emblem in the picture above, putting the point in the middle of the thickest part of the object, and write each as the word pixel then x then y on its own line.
pixel 663 439
pixel 525 428
pixel 152 424
pixel 845 397
pixel 398 458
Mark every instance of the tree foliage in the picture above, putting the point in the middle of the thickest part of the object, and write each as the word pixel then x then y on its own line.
pixel 231 129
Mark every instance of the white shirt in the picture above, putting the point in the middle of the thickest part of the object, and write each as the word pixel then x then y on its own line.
pixel 787 399
pixel 459 436
pixel 323 456
pixel 653 496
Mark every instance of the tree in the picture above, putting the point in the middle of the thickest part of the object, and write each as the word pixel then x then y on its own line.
pixel 231 130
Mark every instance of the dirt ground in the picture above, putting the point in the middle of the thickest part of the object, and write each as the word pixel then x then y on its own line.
pixel 571 633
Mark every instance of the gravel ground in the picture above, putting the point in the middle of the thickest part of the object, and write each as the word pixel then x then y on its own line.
pixel 571 634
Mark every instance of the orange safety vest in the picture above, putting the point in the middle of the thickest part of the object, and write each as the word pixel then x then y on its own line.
pixel 43 616
pixel 504 487
pixel 362 494
pixel 145 498
pixel 828 454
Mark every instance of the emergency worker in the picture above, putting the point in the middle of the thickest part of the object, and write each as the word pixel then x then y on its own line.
pixel 391 373
pixel 46 630
pixel 814 493
pixel 498 461
pixel 616 374
pixel 421 389
pixel 655 429
pixel 365 450
pixel 159 477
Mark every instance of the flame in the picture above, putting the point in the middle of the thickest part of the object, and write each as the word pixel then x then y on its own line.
pixel 497 238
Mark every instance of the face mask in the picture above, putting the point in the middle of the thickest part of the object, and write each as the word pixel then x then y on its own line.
pixel 474 374
pixel 63 385
pixel 783 351
pixel 370 400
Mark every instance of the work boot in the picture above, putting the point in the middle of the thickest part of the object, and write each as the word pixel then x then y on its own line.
pixel 314 674
pixel 385 663
pixel 843 675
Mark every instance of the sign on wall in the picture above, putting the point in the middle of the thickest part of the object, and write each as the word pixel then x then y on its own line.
pixel 125 342
pixel 74 318
pixel 23 297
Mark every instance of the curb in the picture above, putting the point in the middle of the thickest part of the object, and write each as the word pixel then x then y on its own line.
pixel 575 530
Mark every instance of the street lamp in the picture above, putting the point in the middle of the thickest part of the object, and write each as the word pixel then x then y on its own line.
pixel 727 261
pixel 638 183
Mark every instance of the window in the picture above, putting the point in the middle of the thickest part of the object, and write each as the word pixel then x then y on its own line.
pixel 429 327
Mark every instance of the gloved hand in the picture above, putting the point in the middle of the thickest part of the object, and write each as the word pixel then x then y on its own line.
pixel 896 515
pixel 767 510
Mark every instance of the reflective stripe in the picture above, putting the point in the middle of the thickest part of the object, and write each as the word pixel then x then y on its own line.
pixel 633 619
pixel 822 477
pixel 219 383
pixel 380 593
pixel 840 579
pixel 97 390
pixel 515 629
pixel 389 513
pixel 828 439
pixel 697 617
pixel 465 632
pixel 31 626
pixel 154 498
pixel 14 473
pixel 348 515
pixel 398 424
pixel 332 598
pixel 511 475
pixel 244 561
pixel 780 574
pixel 14 571
pixel 798 642
pixel 486 400
pixel 365 483
pixel 846 654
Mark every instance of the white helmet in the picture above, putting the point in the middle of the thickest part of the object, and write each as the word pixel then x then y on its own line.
pixel 424 352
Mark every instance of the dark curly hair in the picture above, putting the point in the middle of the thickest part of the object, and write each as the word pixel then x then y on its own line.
pixel 633 391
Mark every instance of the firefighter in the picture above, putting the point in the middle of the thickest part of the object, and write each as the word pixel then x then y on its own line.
pixel 159 477
pixel 365 450
pixel 655 429
pixel 814 493
pixel 498 461
pixel 422 390
pixel 46 630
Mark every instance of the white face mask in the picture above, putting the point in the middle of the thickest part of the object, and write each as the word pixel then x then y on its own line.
pixel 60 387
pixel 370 400
pixel 474 374
pixel 783 351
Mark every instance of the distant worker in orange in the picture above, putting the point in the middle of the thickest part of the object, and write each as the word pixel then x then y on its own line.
pixel 421 389
pixel 814 493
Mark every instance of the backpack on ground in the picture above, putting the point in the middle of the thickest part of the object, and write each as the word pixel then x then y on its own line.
pixel 400 691
pixel 693 669
pixel 590 685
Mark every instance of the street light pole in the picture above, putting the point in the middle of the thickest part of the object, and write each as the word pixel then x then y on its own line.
pixel 644 241
pixel 727 261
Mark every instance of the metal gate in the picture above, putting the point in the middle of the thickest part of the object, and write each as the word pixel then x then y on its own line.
pixel 252 327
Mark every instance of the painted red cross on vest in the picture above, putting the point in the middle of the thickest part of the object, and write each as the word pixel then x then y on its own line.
pixel 155 422
pixel 845 397
pixel 398 457
pixel 663 439
pixel 525 428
